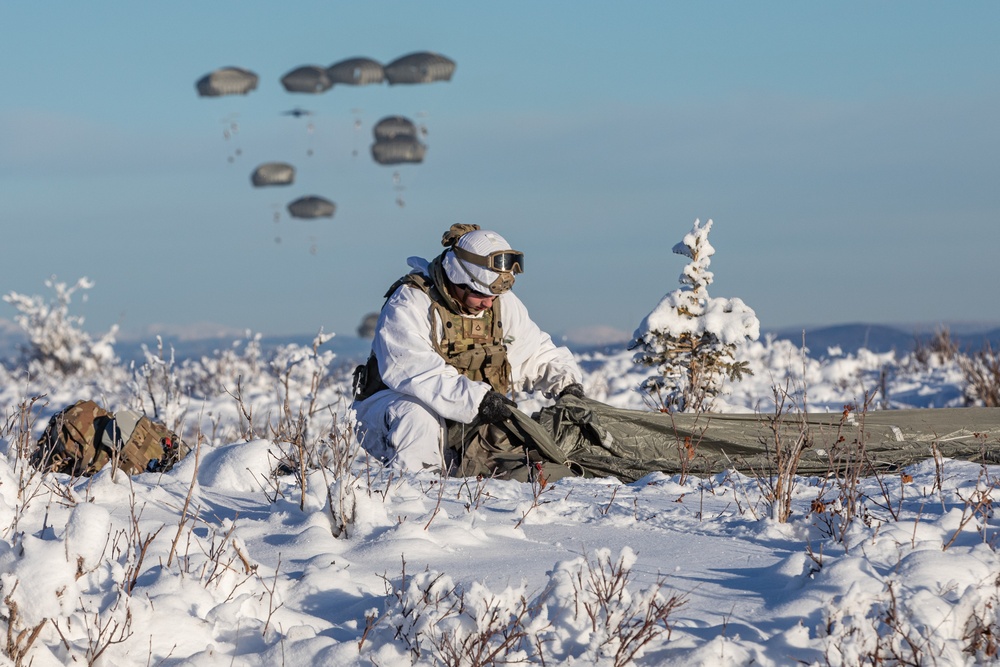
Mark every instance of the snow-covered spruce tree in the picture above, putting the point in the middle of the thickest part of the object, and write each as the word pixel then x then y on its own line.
pixel 57 345
pixel 691 337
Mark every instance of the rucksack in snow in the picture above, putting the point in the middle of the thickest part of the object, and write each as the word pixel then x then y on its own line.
pixel 84 437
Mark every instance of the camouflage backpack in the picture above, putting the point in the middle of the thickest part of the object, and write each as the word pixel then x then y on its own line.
pixel 82 438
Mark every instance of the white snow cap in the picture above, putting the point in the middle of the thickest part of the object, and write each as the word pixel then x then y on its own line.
pixel 481 242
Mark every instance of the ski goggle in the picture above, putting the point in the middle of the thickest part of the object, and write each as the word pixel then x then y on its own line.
pixel 501 261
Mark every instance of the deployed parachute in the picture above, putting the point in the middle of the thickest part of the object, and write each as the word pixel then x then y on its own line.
pixel 356 72
pixel 398 150
pixel 396 141
pixel 312 207
pixel 273 173
pixel 391 127
pixel 307 79
pixel 420 67
pixel 227 81
pixel 367 327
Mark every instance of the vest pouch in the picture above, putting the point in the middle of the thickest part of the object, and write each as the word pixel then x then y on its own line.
pixel 151 447
pixel 367 379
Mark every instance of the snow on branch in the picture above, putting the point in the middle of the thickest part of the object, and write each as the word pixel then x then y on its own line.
pixel 692 337
pixel 57 342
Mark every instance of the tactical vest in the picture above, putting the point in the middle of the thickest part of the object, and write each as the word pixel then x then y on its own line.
pixel 472 345
pixel 84 437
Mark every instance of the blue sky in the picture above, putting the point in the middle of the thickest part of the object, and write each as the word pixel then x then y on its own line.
pixel 847 153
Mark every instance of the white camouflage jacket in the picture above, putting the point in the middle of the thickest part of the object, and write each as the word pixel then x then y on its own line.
pixel 410 364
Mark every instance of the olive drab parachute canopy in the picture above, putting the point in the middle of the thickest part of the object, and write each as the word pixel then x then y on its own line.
pixel 273 173
pixel 356 72
pixel 227 81
pixel 391 127
pixel 307 79
pixel 399 150
pixel 312 207
pixel 420 67
pixel 396 142
pixel 367 327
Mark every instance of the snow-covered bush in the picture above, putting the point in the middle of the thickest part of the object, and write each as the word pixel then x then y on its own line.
pixel 589 613
pixel 157 390
pixel 692 337
pixel 241 364
pixel 56 342
pixel 982 377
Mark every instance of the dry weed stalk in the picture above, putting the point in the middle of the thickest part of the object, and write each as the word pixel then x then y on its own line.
pixel 687 444
pixel 294 426
pixel 19 642
pixel 438 622
pixel 157 380
pixel 784 445
pixel 902 643
pixel 982 629
pixel 270 590
pixel 849 465
pixel 440 483
pixel 247 431
pixel 31 483
pixel 978 506
pixel 184 515
pixel 499 634
pixel 625 624
pixel 136 544
pixel 332 455
pixel 106 630
pixel 539 485
pixel 476 496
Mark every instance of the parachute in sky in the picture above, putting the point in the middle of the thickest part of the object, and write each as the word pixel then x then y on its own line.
pixel 356 72
pixel 398 150
pixel 273 173
pixel 391 127
pixel 420 67
pixel 227 81
pixel 367 327
pixel 307 79
pixel 312 207
pixel 396 142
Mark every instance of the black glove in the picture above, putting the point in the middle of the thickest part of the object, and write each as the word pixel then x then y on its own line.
pixel 495 407
pixel 575 389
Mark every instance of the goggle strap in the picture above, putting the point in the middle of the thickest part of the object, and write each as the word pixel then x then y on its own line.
pixel 486 262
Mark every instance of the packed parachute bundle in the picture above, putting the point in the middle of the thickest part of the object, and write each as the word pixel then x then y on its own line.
pixel 83 438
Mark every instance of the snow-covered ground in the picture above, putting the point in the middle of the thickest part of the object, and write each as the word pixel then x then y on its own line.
pixel 232 559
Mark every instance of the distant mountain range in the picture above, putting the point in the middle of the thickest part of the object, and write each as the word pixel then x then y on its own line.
pixel 880 338
pixel 849 338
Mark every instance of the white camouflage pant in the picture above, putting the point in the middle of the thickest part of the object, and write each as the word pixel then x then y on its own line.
pixel 401 431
